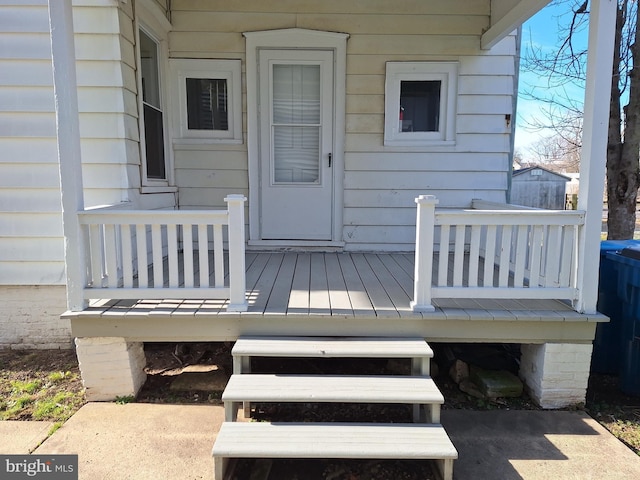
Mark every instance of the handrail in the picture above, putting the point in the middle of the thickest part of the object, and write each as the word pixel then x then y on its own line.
pixel 135 254
pixel 498 253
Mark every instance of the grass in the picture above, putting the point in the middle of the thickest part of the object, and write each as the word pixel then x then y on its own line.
pixel 617 412
pixel 39 385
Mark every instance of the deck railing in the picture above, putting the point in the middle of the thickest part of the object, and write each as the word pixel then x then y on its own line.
pixel 496 251
pixel 166 254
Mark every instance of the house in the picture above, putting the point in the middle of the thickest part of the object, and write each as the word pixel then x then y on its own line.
pixel 539 187
pixel 344 124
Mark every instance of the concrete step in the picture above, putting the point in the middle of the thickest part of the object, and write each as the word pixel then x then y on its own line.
pixel 416 390
pixel 334 440
pixel 332 347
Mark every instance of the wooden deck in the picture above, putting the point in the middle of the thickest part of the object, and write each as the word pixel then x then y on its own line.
pixel 334 294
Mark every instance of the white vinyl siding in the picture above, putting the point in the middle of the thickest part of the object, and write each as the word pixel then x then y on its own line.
pixel 30 212
pixel 30 220
pixel 380 183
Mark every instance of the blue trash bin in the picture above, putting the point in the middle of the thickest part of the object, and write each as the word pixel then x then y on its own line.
pixel 630 368
pixel 607 344
pixel 627 264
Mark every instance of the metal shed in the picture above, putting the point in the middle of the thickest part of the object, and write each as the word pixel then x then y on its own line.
pixel 539 187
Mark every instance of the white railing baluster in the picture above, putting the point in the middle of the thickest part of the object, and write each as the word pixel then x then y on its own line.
pixel 474 256
pixel 127 257
pixel 218 258
pixel 521 254
pixel 552 256
pixel 458 256
pixel 203 255
pixel 96 249
pixel 443 258
pixel 535 256
pixel 505 257
pixel 141 244
pixel 157 256
pixel 111 260
pixel 187 255
pixel 489 256
pixel 172 255
pixel 566 270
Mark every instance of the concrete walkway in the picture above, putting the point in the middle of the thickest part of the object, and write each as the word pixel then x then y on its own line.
pixel 149 441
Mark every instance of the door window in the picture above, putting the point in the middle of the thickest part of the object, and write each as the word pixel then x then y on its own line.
pixel 296 123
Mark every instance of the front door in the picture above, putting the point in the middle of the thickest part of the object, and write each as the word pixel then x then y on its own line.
pixel 296 109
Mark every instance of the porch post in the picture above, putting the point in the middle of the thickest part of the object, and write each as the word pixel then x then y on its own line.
pixel 425 223
pixel 237 274
pixel 602 24
pixel 68 131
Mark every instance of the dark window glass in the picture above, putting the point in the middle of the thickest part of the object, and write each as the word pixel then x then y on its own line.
pixel 154 142
pixel 207 104
pixel 420 106
pixel 152 108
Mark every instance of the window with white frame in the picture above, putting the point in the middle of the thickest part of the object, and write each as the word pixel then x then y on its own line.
pixel 209 96
pixel 153 111
pixel 420 103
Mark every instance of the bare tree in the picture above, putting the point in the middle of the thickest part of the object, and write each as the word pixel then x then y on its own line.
pixel 623 149
pixel 559 151
pixel 564 70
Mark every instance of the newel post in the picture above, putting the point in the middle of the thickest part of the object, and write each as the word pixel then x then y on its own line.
pixel 237 280
pixel 425 224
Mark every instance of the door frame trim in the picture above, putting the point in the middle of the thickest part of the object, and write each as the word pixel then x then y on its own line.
pixel 299 39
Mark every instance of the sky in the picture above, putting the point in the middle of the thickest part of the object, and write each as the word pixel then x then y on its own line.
pixel 541 32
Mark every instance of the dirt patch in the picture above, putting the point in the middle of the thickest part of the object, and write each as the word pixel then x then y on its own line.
pixel 617 412
pixel 39 385
pixel 166 361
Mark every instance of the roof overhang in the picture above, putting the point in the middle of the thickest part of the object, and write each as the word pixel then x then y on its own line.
pixel 506 16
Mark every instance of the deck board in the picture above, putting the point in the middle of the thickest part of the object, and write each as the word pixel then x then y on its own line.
pixel 380 300
pixel 358 295
pixel 281 285
pixel 399 298
pixel 338 293
pixel 319 303
pixel 301 286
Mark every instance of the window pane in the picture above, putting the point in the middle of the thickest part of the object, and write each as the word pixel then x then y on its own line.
pixel 296 154
pixel 207 104
pixel 149 69
pixel 152 108
pixel 296 123
pixel 154 142
pixel 296 94
pixel 420 106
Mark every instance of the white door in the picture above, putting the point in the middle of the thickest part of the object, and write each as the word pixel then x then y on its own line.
pixel 296 108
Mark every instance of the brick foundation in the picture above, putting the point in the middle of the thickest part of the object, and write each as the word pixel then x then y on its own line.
pixel 30 318
pixel 556 374
pixel 111 367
